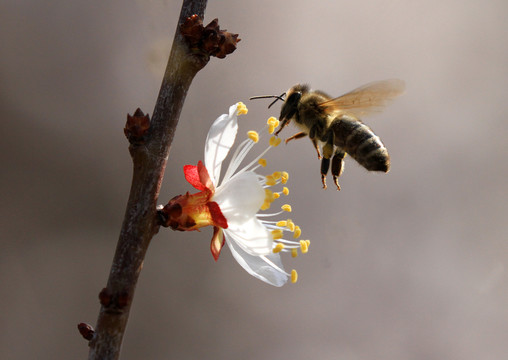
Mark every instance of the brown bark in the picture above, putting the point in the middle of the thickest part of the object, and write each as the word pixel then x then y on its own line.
pixel 140 222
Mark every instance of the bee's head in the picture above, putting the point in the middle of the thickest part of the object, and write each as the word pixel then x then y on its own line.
pixel 291 98
pixel 290 106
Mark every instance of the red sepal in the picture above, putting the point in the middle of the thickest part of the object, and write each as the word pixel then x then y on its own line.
pixel 204 177
pixel 198 177
pixel 217 242
pixel 217 217
pixel 192 176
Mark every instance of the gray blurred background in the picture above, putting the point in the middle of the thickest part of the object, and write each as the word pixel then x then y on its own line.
pixel 408 265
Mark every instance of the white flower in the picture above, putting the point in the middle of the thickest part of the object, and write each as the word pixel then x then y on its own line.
pixel 232 205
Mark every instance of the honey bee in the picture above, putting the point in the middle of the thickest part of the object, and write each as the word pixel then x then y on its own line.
pixel 334 124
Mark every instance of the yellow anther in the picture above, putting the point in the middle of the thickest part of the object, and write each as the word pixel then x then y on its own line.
pixel 285 177
pixel 262 162
pixel 297 232
pixel 294 276
pixel 304 247
pixel 278 248
pixel 241 109
pixel 270 181
pixel 274 141
pixel 277 175
pixel 272 125
pixel 294 252
pixel 266 205
pixel 253 135
pixel 285 191
pixel 269 197
pixel 282 223
pixel 291 225
pixel 286 207
pixel 272 121
pixel 276 195
pixel 277 234
pixel 308 242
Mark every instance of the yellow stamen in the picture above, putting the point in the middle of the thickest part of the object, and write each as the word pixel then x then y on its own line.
pixel 269 197
pixel 277 234
pixel 278 248
pixel 262 162
pixel 253 135
pixel 298 232
pixel 272 124
pixel 274 141
pixel 272 121
pixel 285 177
pixel 241 109
pixel 270 181
pixel 308 242
pixel 304 247
pixel 294 252
pixel 276 195
pixel 286 207
pixel 291 225
pixel 285 191
pixel 282 223
pixel 277 175
pixel 294 276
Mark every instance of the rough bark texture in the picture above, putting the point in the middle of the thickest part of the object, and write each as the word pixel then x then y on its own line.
pixel 140 222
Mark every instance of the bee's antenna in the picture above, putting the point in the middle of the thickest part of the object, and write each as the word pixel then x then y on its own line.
pixel 280 97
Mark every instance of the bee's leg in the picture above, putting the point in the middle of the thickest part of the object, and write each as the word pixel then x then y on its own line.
pixel 316 146
pixel 327 154
pixel 314 131
pixel 296 136
pixel 325 165
pixel 338 166
pixel 313 135
pixel 283 124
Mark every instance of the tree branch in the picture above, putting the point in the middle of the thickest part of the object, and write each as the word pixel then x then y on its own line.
pixel 140 222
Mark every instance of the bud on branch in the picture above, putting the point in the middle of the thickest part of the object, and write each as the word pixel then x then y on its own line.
pixel 208 40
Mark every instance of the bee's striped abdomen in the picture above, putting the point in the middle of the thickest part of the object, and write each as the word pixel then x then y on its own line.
pixel 359 141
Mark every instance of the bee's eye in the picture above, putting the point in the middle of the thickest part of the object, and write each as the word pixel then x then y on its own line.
pixel 294 98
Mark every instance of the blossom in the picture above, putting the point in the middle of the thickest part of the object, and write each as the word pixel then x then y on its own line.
pixel 235 206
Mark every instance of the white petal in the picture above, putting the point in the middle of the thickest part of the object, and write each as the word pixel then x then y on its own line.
pixel 219 141
pixel 258 267
pixel 252 236
pixel 240 198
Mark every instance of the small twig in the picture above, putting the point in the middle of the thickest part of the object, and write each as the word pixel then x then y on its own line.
pixel 150 146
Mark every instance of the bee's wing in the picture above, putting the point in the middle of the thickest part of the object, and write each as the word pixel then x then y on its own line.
pixel 366 99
